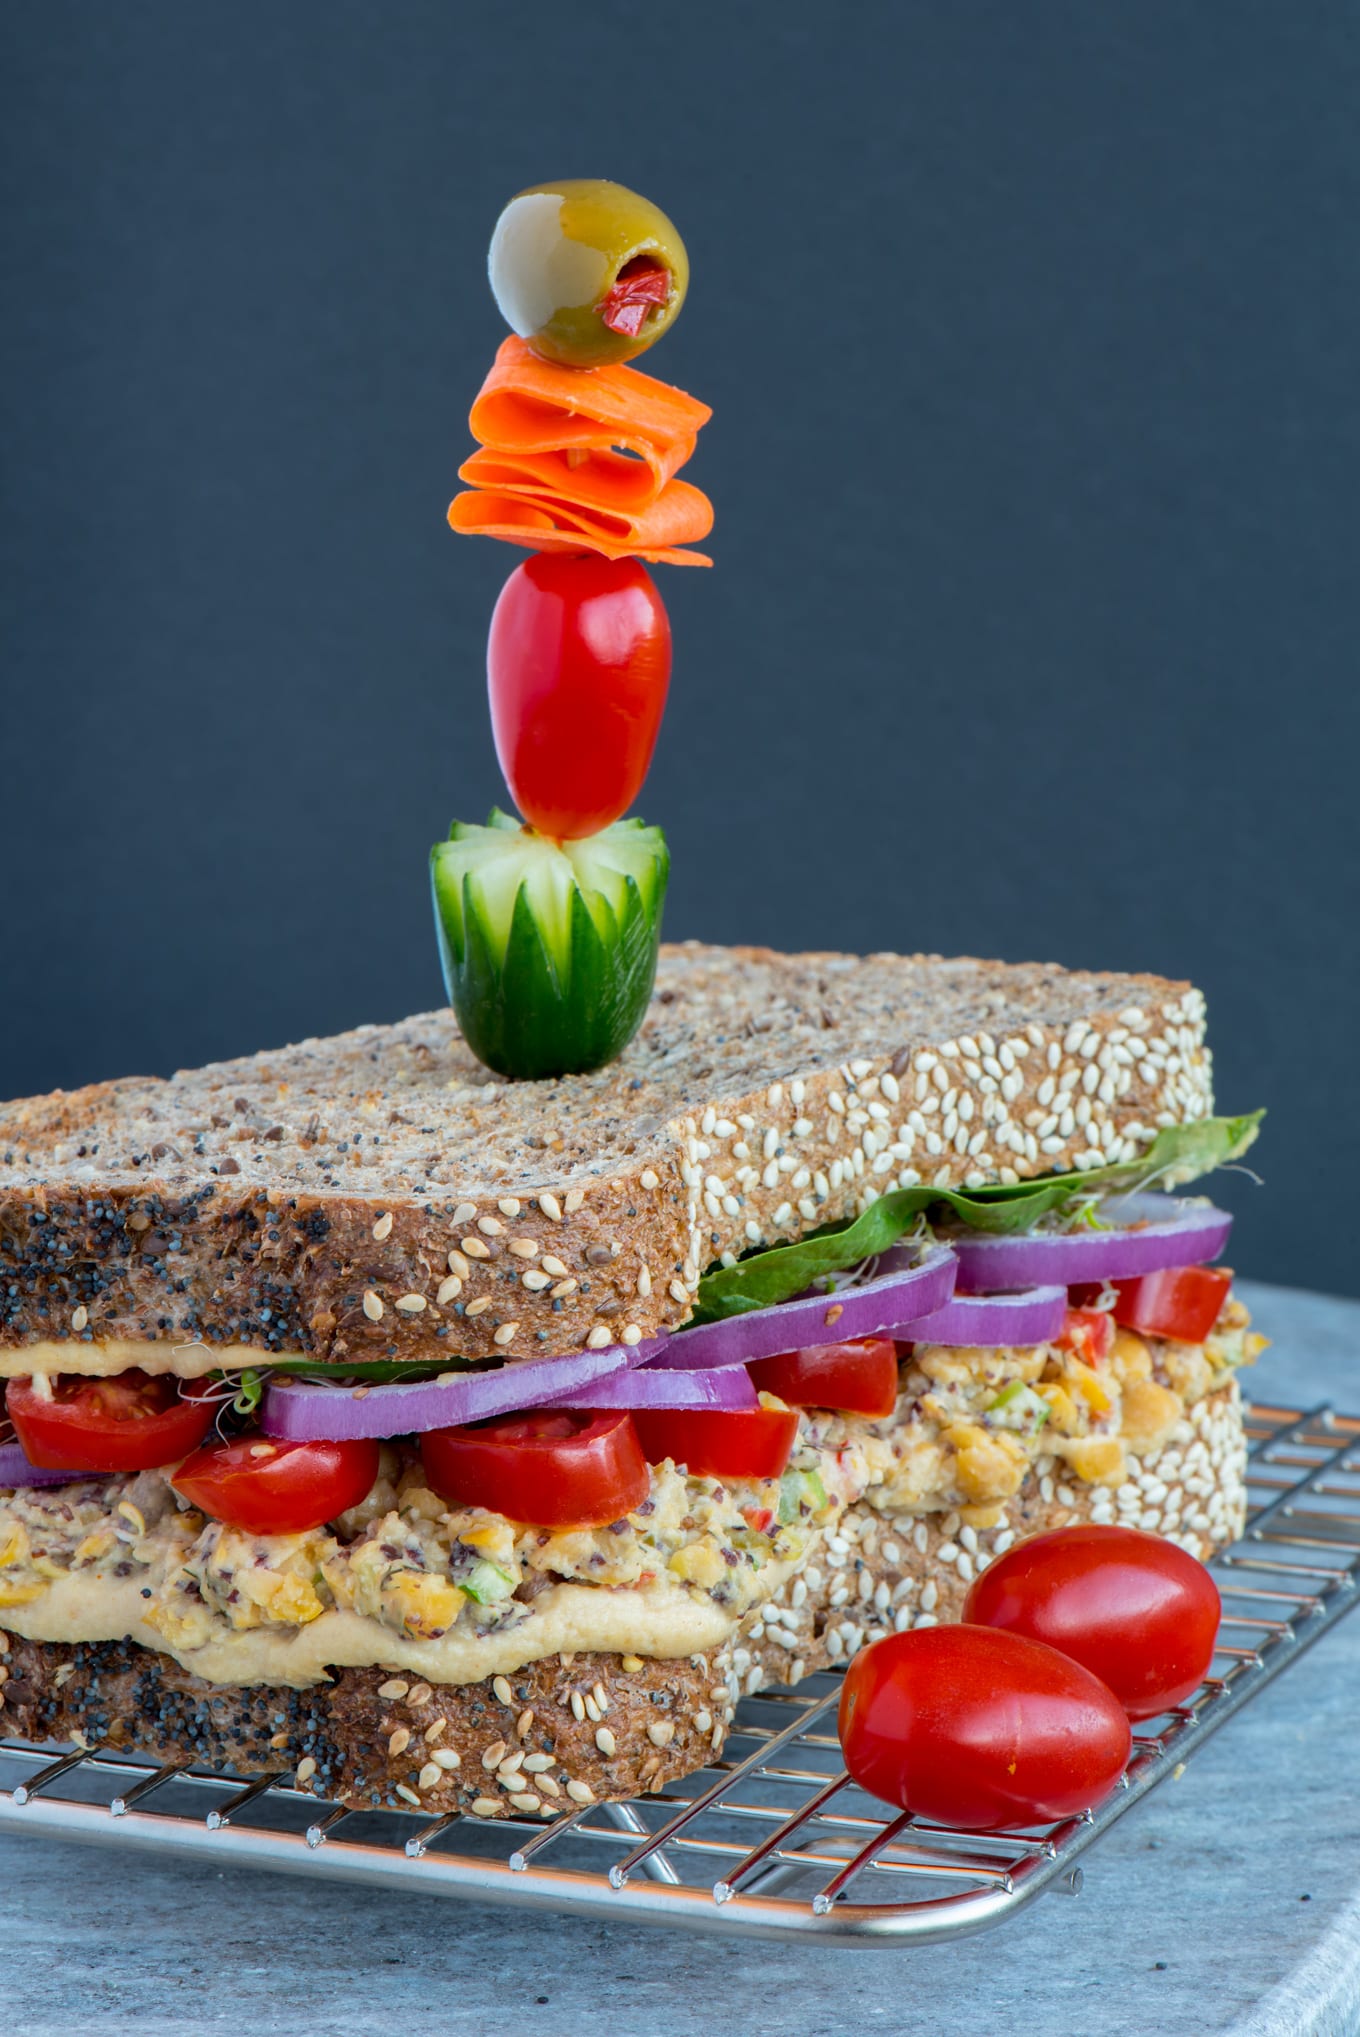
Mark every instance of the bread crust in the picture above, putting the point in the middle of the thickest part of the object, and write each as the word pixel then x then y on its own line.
pixel 309 1200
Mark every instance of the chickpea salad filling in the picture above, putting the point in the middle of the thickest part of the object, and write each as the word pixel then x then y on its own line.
pixel 405 1578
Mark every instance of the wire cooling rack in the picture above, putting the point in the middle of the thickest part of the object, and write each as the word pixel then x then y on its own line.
pixel 774 1838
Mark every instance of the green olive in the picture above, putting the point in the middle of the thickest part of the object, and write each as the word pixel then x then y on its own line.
pixel 587 272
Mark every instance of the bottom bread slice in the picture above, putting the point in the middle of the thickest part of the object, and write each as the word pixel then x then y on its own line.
pixel 573 1729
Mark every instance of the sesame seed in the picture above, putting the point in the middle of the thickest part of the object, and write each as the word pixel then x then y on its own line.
pixel 306 1768
pixel 373 1307
pixel 421 1694
pixel 490 1226
pixel 630 1662
pixel 449 1290
pixel 494 1754
pixel 510 1767
pixel 429 1775
pixel 661 1732
pixel 535 1764
pixel 592 1709
pixel 79 1317
pixel 435 1731
pixel 506 1334
pixel 476 1248
pixel 647 1179
pixel 580 1792
pixel 399 1741
pixel 534 1281
pixel 447 1758
pixel 395 1687
pixel 552 1264
pixel 578 1706
pixel 572 1200
pixel 411 1304
pixel 523 1724
pixel 631 1334
pixel 383 1228
pixel 508 1206
pixel 551 1208
pixel 458 1264
pixel 564 1287
pixel 501 1686
pixel 523 1248
pixel 644 1280
pixel 525 1800
pixel 478 1307
pixel 465 1213
pixel 598 1338
pixel 605 1741
pixel 677 1289
pixel 482 1807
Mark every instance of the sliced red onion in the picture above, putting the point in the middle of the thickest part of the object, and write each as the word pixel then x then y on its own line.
pixel 15 1469
pixel 308 1411
pixel 1147 1232
pixel 878 1307
pixel 1032 1317
pixel 663 1386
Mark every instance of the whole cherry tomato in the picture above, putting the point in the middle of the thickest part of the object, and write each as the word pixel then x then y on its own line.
pixel 719 1442
pixel 1132 1608
pixel 980 1729
pixel 130 1422
pixel 859 1377
pixel 578 663
pixel 555 1468
pixel 271 1488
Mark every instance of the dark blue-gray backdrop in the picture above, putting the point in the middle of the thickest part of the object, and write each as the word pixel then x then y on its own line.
pixel 1031 337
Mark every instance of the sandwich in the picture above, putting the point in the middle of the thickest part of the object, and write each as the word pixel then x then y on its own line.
pixel 623 1393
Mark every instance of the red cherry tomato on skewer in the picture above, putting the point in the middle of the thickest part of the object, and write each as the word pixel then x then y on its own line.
pixel 578 663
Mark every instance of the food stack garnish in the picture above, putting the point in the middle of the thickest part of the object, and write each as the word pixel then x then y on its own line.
pixel 549 927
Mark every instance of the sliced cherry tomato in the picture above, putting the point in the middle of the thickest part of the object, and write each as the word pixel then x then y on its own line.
pixel 551 1468
pixel 1089 1332
pixel 1181 1302
pixel 1132 1608
pixel 131 1422
pixel 578 663
pixel 271 1488
pixel 981 1729
pixel 718 1442
pixel 858 1377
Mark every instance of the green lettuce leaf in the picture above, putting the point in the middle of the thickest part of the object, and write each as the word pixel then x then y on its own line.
pixel 1179 1153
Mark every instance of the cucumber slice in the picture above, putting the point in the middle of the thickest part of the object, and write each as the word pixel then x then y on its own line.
pixel 549 948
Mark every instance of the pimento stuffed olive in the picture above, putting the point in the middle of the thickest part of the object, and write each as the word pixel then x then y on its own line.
pixel 587 272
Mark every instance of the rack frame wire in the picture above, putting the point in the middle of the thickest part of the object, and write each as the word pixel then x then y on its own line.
pixel 774 1838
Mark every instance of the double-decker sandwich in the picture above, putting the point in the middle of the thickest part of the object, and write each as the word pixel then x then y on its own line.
pixel 461 1443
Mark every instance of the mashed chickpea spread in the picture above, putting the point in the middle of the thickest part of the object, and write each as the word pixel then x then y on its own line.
pixel 456 1594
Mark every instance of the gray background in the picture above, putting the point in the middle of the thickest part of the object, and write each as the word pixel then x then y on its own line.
pixel 1031 336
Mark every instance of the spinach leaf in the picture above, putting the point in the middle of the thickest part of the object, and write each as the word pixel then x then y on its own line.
pixel 1178 1154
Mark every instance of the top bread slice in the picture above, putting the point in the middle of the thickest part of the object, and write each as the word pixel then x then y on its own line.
pixel 381 1194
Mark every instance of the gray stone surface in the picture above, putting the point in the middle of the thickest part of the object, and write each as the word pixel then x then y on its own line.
pixel 1227 1905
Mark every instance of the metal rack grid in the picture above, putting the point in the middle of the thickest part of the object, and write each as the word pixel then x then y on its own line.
pixel 774 1838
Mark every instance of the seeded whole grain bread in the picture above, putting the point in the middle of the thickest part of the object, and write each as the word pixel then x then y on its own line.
pixel 381 1194
pixel 567 1730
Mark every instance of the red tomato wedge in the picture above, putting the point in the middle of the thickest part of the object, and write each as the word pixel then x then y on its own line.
pixel 131 1422
pixel 1135 1610
pixel 859 1378
pixel 717 1442
pixel 1181 1302
pixel 271 1488
pixel 551 1468
pixel 578 663
pixel 976 1728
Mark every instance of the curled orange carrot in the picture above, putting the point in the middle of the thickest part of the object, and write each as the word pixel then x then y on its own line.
pixel 580 459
